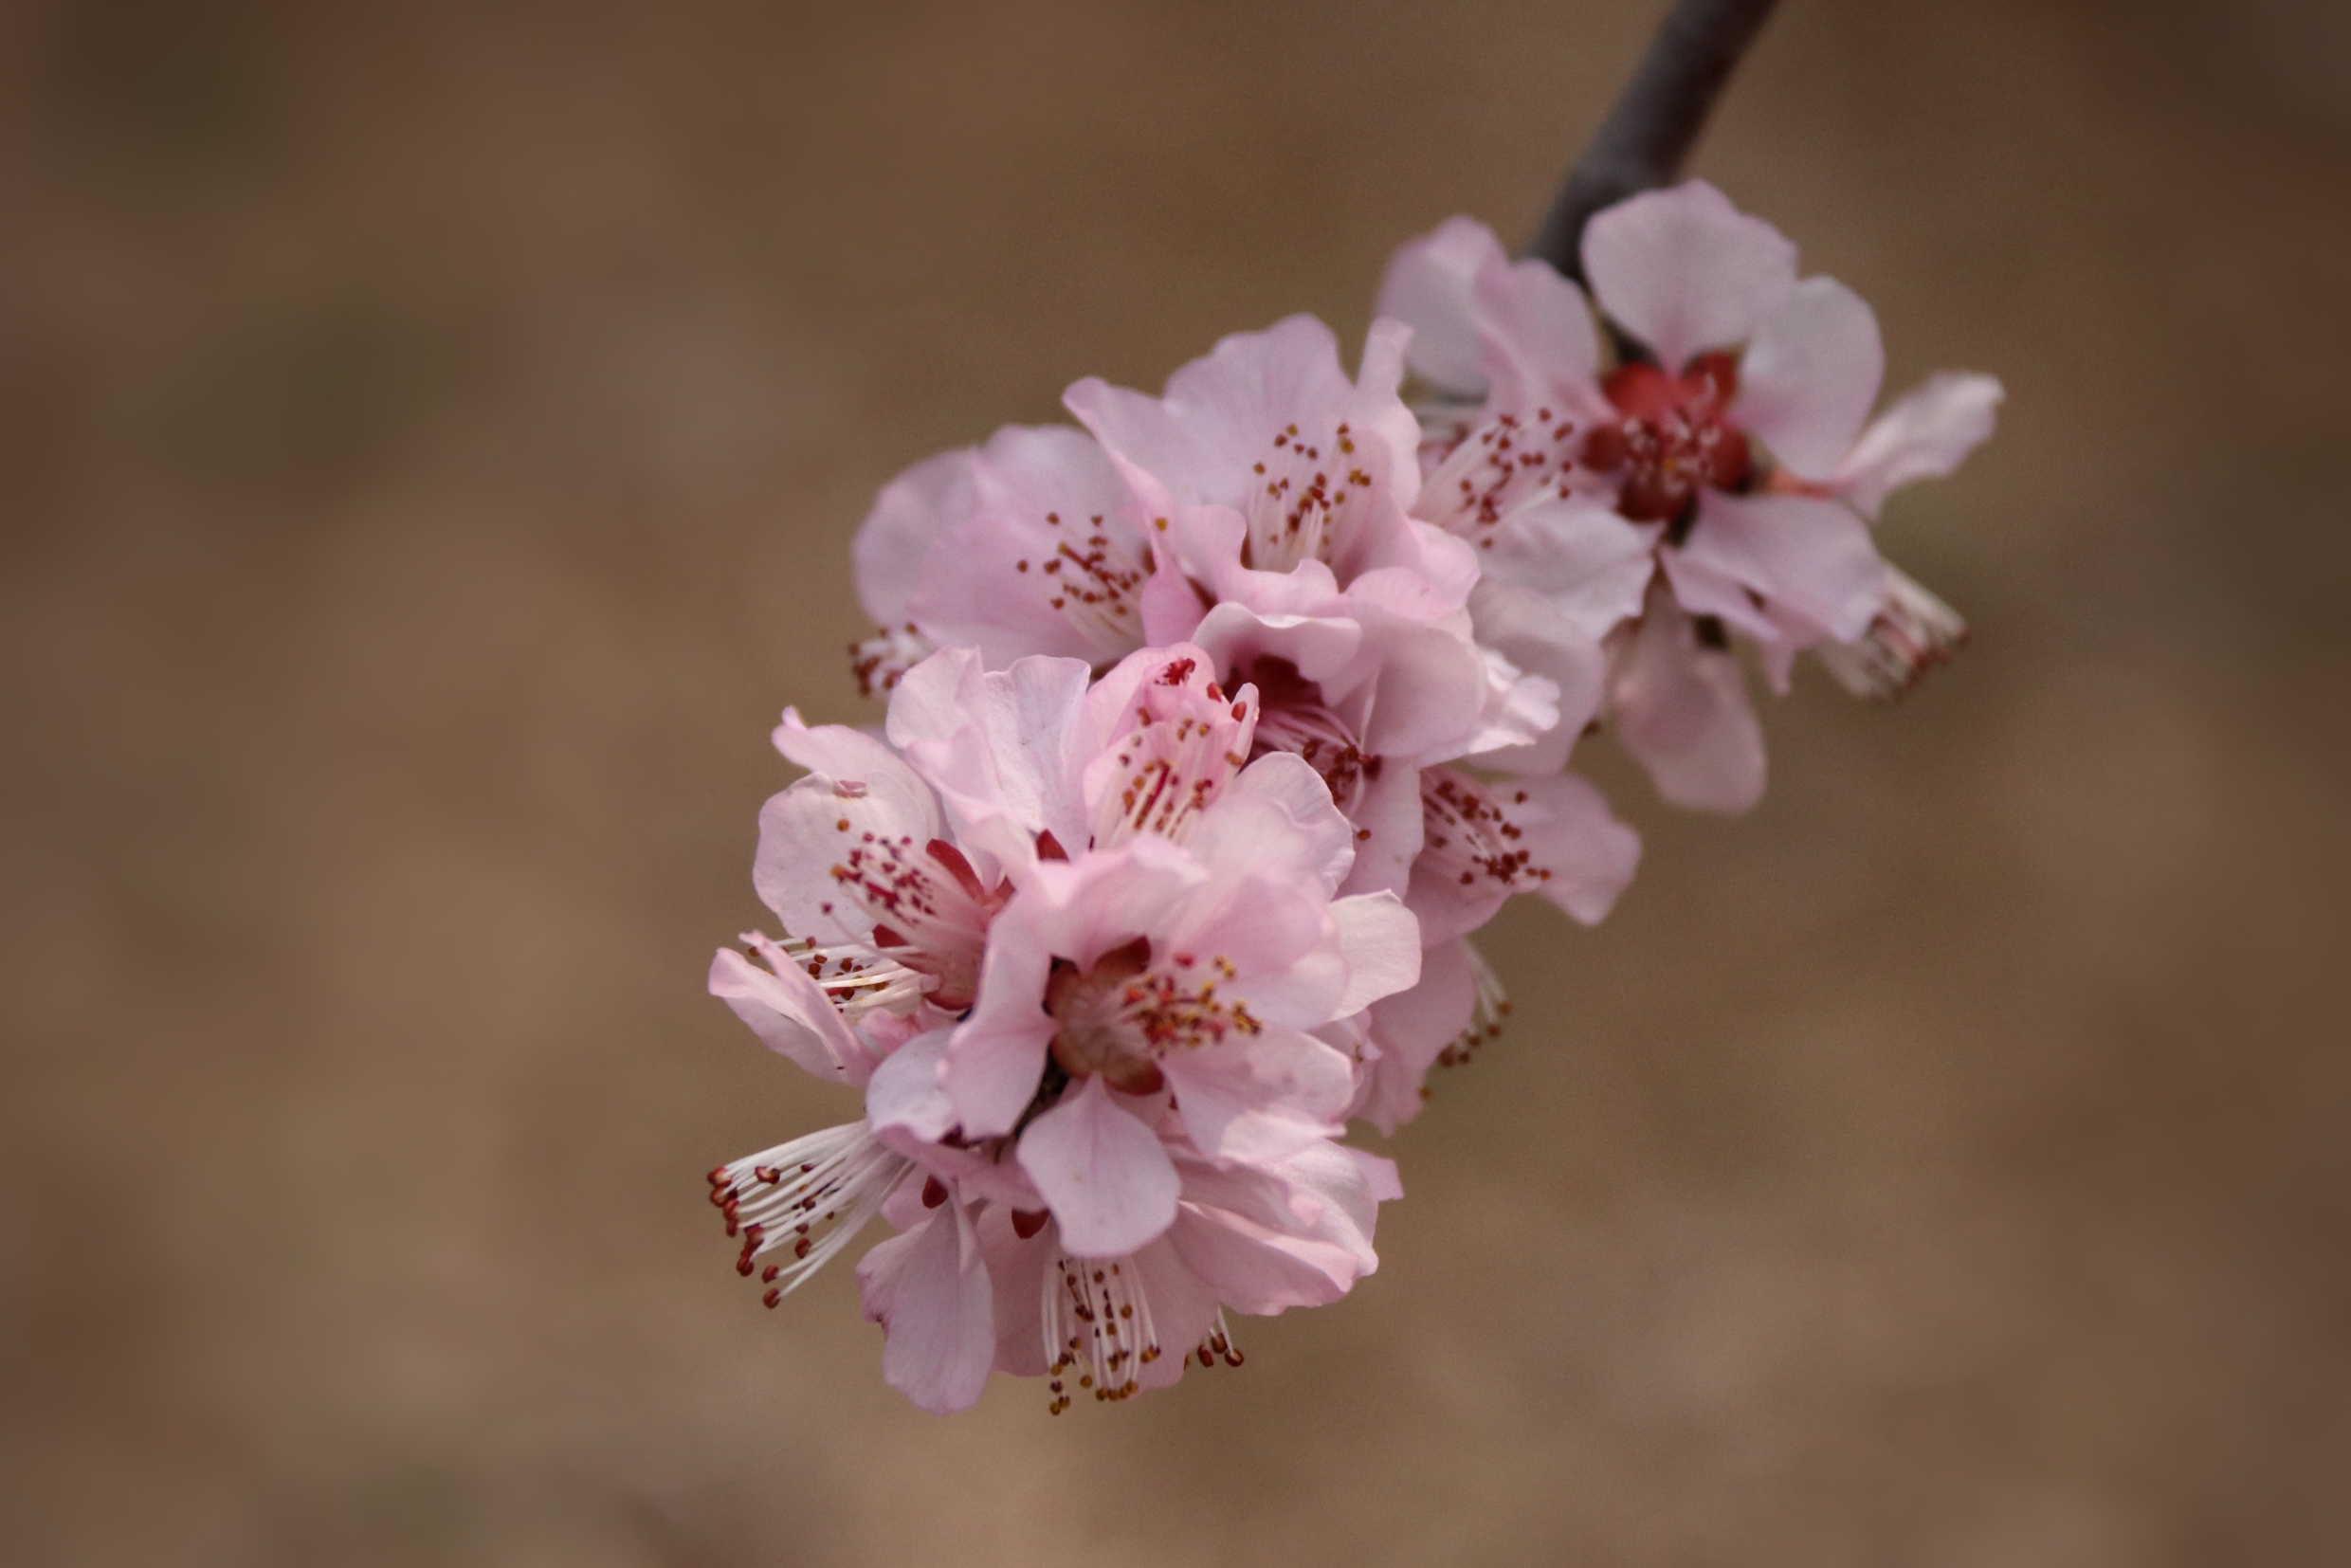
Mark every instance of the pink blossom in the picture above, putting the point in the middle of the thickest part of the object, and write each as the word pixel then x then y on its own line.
pixel 1717 486
pixel 1068 940
pixel 1259 510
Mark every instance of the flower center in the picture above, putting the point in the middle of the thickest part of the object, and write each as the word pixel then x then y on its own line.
pixel 1672 439
pixel 1304 500
pixel 1119 1017
pixel 1468 837
pixel 929 909
pixel 1506 461
pixel 1093 580
pixel 1293 719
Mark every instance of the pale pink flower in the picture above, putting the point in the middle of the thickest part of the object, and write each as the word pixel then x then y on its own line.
pixel 1047 913
pixel 1029 545
pixel 1717 486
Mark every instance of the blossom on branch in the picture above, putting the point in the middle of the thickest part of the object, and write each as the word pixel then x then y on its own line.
pixel 1717 481
pixel 1080 953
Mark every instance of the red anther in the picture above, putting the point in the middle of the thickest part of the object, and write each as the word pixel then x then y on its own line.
pixel 1049 848
pixel 934 1193
pixel 767 1275
pixel 771 1297
pixel 800 1248
pixel 1028 1222
pixel 717 1175
pixel 742 1265
pixel 1234 1358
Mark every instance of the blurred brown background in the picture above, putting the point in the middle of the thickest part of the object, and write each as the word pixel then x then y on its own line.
pixel 429 441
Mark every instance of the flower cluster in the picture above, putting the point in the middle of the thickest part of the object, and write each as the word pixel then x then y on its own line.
pixel 1219 723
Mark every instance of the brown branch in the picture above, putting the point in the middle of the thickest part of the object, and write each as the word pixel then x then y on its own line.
pixel 1642 142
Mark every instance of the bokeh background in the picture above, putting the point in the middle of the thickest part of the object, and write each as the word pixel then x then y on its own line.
pixel 430 436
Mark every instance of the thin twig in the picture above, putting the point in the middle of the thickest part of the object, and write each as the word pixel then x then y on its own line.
pixel 1642 142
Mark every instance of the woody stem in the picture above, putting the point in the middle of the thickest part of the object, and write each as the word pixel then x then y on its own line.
pixel 1642 142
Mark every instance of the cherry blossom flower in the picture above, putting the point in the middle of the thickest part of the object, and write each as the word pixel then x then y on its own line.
pixel 1071 942
pixel 1718 480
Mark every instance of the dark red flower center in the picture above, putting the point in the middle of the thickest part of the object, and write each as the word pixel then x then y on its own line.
pixel 1672 438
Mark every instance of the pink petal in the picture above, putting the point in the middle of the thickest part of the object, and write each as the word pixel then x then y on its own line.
pixel 839 754
pixel 1429 288
pixel 1255 1270
pixel 1050 557
pixel 1923 436
pixel 1809 375
pixel 1236 635
pixel 1110 1185
pixel 1388 826
pixel 929 1289
pixel 1684 271
pixel 1523 628
pixel 1381 943
pixel 1200 440
pixel 905 1091
pixel 997 1054
pixel 1278 815
pixel 1542 348
pixel 1429 693
pixel 1257 1098
pixel 1704 587
pixel 1552 836
pixel 1799 553
pixel 1005 748
pixel 1412 1028
pixel 1564 822
pixel 1681 709
pixel 1591 564
pixel 908 518
pixel 790 1013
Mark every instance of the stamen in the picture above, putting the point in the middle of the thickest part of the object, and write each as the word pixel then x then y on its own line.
pixel 813 1194
pixel 1488 1013
pixel 1295 719
pixel 1468 836
pixel 1217 1346
pixel 881 658
pixel 1305 500
pixel 1913 633
pixel 1496 467
pixel 1097 1323
pixel 1185 740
